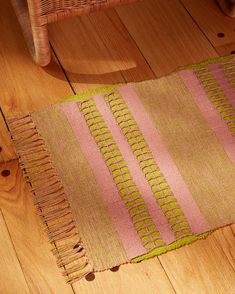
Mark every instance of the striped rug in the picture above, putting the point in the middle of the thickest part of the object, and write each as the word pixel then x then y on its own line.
pixel 131 171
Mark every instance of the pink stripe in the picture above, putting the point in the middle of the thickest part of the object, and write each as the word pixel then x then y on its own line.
pixel 223 82
pixel 117 209
pixel 139 179
pixel 212 116
pixel 184 198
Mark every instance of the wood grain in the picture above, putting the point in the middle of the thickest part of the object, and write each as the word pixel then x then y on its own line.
pixel 11 276
pixel 212 21
pixel 226 49
pixel 202 267
pixel 100 51
pixel 165 34
pixel 28 235
pixel 145 277
pixel 6 149
pixel 225 237
pixel 108 47
pixel 24 85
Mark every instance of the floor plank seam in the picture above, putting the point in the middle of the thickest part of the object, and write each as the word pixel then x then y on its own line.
pixel 4 118
pixel 63 70
pixel 167 275
pixel 136 46
pixel 197 269
pixel 224 253
pixel 3 217
pixel 198 26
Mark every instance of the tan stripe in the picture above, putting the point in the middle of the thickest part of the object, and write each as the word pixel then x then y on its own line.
pixel 86 202
pixel 200 158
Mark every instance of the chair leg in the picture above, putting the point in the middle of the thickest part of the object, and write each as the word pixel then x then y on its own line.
pixel 36 36
pixel 41 50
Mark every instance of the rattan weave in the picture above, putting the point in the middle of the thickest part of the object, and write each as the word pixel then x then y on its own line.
pixel 35 15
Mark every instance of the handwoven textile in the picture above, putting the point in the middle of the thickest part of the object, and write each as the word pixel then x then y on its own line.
pixel 130 171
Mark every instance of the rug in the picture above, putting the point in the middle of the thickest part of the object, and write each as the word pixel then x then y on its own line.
pixel 130 171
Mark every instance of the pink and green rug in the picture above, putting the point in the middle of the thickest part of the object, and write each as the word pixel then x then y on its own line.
pixel 131 171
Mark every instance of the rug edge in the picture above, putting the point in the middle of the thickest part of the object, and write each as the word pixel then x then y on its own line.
pixel 205 62
pixel 56 215
pixel 172 246
pixel 177 244
pixel 110 87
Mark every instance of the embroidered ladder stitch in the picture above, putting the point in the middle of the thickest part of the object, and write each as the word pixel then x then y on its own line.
pixel 50 198
pixel 128 191
pixel 216 93
pixel 156 180
pixel 229 73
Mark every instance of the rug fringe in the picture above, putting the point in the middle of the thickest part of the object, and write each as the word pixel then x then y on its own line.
pixel 50 198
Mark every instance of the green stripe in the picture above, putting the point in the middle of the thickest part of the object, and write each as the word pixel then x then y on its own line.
pixel 90 93
pixel 177 244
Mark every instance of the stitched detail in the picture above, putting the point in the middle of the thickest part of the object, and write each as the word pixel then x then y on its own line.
pixel 159 186
pixel 50 198
pixel 229 72
pixel 127 189
pixel 216 94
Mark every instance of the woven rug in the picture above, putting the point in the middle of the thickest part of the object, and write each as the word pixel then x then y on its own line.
pixel 131 171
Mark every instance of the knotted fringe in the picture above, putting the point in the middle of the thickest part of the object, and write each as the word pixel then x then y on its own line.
pixel 50 198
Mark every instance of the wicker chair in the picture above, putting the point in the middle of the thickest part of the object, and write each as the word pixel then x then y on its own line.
pixel 35 15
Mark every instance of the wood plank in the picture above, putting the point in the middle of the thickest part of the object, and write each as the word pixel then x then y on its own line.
pixel 226 49
pixel 165 34
pixel 106 54
pixel 145 277
pixel 24 85
pixel 212 21
pixel 97 50
pixel 6 149
pixel 11 276
pixel 201 267
pixel 226 238
pixel 28 235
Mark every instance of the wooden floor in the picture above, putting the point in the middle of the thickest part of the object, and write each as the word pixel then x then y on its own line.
pixel 132 43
